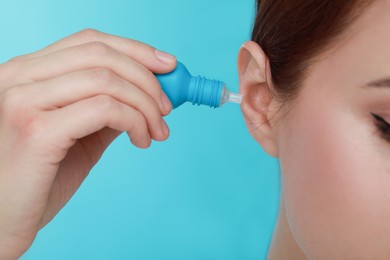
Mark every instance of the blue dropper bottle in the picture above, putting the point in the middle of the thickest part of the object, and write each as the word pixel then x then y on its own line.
pixel 181 87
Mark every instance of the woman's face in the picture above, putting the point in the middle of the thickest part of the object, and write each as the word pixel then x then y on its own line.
pixel 334 153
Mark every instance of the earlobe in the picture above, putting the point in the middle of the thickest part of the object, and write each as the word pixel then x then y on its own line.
pixel 258 105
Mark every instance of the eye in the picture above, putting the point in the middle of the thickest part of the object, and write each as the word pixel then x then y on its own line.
pixel 383 127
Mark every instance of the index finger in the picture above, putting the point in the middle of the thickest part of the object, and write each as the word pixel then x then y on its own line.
pixel 156 61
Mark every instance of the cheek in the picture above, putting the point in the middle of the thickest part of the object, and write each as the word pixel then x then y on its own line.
pixel 335 184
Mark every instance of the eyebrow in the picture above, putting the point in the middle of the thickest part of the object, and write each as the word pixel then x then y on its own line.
pixel 380 83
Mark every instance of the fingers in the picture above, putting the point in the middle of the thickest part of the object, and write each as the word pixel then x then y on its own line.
pixel 97 55
pixel 93 114
pixel 90 66
pixel 154 60
pixel 73 87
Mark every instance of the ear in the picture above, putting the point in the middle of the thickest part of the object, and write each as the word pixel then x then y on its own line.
pixel 258 105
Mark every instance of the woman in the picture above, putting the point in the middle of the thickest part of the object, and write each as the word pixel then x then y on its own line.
pixel 315 96
pixel 316 86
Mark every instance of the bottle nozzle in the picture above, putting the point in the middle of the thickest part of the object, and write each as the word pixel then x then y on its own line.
pixel 235 98
pixel 230 97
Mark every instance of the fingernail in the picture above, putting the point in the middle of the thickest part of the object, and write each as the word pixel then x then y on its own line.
pixel 166 103
pixel 164 57
pixel 164 128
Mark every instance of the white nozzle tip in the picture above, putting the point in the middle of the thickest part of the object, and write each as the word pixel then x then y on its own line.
pixel 230 97
pixel 235 98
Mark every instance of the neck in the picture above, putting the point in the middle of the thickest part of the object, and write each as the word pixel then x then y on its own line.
pixel 283 245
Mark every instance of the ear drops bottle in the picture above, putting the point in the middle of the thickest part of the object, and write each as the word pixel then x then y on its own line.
pixel 181 87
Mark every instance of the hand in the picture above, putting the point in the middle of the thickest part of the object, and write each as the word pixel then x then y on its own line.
pixel 60 108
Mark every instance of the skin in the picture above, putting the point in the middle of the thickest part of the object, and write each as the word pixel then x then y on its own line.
pixel 334 162
pixel 335 171
pixel 59 112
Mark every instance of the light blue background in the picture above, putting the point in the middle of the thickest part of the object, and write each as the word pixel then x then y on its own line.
pixel 209 192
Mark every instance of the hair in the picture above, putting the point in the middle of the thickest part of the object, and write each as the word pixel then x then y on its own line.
pixel 292 33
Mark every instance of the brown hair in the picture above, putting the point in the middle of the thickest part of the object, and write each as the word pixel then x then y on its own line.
pixel 294 32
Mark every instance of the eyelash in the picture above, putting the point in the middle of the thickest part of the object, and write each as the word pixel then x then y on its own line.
pixel 383 127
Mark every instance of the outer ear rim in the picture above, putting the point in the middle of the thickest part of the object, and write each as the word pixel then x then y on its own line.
pixel 252 56
pixel 256 53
